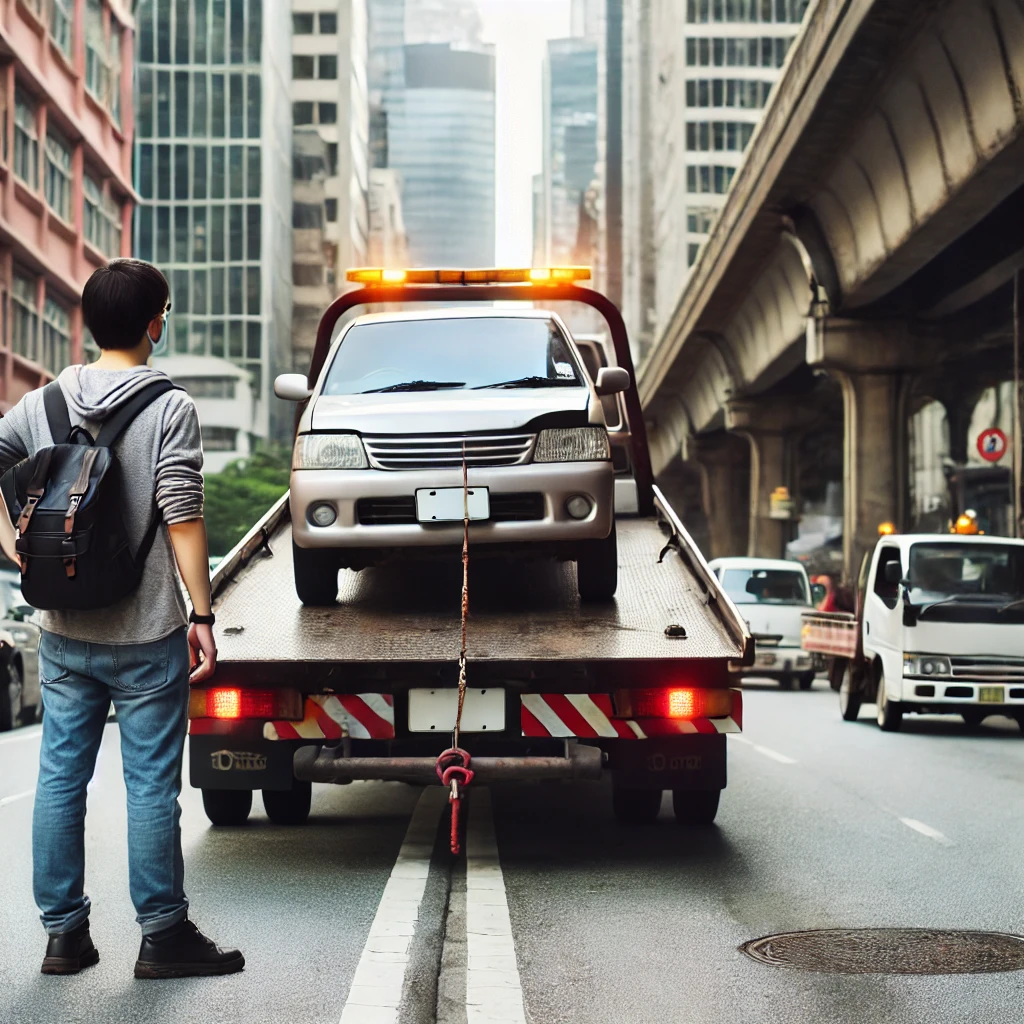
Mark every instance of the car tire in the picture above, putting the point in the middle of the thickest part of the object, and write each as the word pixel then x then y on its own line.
pixel 12 693
pixel 597 569
pixel 890 712
pixel 806 680
pixel 227 806
pixel 786 681
pixel 695 807
pixel 636 806
pixel 288 806
pixel 973 717
pixel 850 697
pixel 316 575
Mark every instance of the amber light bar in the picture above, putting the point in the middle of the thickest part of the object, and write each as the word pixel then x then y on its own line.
pixel 486 275
pixel 229 702
pixel 684 703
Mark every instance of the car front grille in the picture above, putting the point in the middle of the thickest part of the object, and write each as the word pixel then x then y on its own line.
pixel 982 667
pixel 444 451
pixel 401 511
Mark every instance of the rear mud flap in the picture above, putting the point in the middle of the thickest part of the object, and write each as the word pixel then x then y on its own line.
pixel 693 762
pixel 227 762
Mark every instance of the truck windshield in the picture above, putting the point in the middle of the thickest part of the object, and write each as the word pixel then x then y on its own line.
pixel 452 355
pixel 766 586
pixel 968 582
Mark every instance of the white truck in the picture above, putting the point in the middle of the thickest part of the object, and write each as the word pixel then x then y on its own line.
pixel 939 629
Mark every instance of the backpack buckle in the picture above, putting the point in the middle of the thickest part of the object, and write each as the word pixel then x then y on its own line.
pixel 26 513
pixel 69 516
pixel 68 549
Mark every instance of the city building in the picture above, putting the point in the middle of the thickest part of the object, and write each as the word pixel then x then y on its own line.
pixel 389 246
pixel 66 198
pixel 213 170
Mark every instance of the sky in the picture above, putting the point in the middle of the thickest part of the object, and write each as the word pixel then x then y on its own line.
pixel 519 29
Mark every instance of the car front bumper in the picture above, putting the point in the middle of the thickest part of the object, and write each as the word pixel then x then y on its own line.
pixel 555 481
pixel 772 661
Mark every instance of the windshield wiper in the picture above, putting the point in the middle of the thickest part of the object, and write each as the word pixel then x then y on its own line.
pixel 1010 604
pixel 952 597
pixel 532 382
pixel 418 385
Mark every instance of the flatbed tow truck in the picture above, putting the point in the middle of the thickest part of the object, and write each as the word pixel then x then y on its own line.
pixel 637 687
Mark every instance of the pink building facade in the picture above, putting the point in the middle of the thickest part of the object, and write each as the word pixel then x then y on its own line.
pixel 66 197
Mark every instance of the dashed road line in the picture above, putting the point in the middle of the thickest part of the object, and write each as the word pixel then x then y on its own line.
pixel 774 755
pixel 927 830
pixel 376 992
pixel 494 993
pixel 4 801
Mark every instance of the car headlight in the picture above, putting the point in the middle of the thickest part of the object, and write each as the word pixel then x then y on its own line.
pixel 926 665
pixel 328 451
pixel 572 444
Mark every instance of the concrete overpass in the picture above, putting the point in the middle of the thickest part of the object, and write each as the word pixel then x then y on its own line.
pixel 871 234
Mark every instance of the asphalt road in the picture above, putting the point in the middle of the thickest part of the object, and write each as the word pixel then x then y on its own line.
pixel 560 913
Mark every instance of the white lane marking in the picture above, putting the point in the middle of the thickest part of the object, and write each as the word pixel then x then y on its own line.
pixel 927 830
pixel 22 736
pixel 4 801
pixel 764 751
pixel 376 992
pixel 494 994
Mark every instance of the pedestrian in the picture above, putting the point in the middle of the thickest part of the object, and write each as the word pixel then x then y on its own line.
pixel 135 652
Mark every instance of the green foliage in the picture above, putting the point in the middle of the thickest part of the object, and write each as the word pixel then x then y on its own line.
pixel 241 494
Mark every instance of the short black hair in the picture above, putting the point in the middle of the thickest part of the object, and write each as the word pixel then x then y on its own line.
pixel 120 300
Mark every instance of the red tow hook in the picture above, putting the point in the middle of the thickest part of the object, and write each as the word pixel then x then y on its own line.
pixel 453 770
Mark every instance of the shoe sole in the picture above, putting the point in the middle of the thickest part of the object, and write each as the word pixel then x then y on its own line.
pixel 155 971
pixel 69 964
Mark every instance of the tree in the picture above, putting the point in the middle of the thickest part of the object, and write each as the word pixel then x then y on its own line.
pixel 241 494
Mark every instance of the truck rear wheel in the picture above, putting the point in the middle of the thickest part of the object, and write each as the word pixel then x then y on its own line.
pixel 636 806
pixel 890 712
pixel 227 806
pixel 316 575
pixel 849 695
pixel 288 806
pixel 786 681
pixel 806 680
pixel 695 807
pixel 597 569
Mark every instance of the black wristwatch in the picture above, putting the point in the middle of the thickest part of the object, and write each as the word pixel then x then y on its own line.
pixel 202 620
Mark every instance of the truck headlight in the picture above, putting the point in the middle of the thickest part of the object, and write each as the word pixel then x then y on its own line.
pixel 926 665
pixel 328 451
pixel 572 444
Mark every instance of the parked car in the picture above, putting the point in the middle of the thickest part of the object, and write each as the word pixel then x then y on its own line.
pixel 19 672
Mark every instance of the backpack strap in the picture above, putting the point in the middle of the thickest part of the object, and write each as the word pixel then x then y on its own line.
pixel 57 417
pixel 114 426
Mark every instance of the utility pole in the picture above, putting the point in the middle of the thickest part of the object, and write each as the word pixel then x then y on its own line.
pixel 1018 411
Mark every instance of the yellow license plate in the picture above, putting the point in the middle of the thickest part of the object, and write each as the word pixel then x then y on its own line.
pixel 991 694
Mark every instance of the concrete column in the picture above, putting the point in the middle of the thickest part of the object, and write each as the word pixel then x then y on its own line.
pixel 723 462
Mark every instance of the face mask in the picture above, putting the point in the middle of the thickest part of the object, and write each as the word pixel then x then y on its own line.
pixel 159 346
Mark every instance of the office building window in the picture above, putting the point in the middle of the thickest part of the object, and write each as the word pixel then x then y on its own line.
pixel 220 439
pixel 24 315
pixel 62 14
pixel 332 159
pixel 692 252
pixel 303 66
pixel 327 66
pixel 718 136
pixel 701 219
pixel 302 112
pixel 97 65
pixel 785 12
pixel 324 66
pixel 756 52
pixel 56 352
pixel 58 174
pixel 26 140
pixel 331 208
pixel 713 180
pixel 328 113
pixel 328 24
pixel 302 24
pixel 208 387
pixel 740 93
pixel 101 218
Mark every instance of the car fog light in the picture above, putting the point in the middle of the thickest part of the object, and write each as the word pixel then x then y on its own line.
pixel 322 514
pixel 578 506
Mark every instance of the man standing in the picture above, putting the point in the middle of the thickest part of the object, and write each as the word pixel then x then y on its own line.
pixel 136 652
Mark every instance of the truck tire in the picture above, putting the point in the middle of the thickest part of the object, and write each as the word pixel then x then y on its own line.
pixel 597 569
pixel 806 680
pixel 973 717
pixel 227 806
pixel 786 681
pixel 890 712
pixel 850 697
pixel 288 806
pixel 316 575
pixel 695 807
pixel 12 691
pixel 636 806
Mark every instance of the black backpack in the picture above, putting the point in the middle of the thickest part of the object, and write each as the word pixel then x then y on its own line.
pixel 67 504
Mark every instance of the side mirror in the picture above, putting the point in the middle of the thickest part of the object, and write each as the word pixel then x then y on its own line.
pixel 892 573
pixel 292 387
pixel 818 593
pixel 21 612
pixel 612 380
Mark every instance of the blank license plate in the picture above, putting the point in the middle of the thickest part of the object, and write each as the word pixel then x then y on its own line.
pixel 448 505
pixel 435 710
pixel 991 694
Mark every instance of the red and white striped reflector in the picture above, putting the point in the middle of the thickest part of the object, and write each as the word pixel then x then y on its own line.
pixel 364 716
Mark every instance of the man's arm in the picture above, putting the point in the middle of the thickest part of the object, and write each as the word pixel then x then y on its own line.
pixel 188 539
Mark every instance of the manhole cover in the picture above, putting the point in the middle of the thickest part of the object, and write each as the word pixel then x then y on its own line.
pixel 890 951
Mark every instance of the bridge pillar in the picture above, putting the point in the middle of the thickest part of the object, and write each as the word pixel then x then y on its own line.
pixel 722 461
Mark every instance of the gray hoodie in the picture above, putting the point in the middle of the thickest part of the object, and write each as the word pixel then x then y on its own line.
pixel 161 457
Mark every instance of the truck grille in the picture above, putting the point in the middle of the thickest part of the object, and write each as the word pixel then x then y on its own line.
pixel 443 451
pixel 401 511
pixel 998 669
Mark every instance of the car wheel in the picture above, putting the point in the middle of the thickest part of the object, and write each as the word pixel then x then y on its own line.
pixel 288 806
pixel 636 806
pixel 973 717
pixel 597 569
pixel 890 712
pixel 227 806
pixel 316 575
pixel 806 680
pixel 786 681
pixel 849 696
pixel 11 697
pixel 695 807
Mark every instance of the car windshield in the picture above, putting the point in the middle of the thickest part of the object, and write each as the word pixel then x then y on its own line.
pixel 980 573
pixel 449 355
pixel 766 586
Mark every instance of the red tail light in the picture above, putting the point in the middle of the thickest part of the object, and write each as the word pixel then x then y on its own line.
pixel 229 702
pixel 680 703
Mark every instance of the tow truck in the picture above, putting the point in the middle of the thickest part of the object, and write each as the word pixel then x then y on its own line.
pixel 636 688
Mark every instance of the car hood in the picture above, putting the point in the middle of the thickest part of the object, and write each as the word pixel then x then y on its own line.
pixel 437 412
pixel 776 620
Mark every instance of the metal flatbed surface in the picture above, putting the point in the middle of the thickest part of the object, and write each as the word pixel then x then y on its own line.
pixel 519 612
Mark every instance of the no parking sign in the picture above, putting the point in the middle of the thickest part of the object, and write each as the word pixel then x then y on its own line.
pixel 992 444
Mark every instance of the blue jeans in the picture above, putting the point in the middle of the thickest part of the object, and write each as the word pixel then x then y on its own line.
pixel 148 684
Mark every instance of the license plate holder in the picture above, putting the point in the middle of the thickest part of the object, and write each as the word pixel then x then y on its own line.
pixel 991 694
pixel 448 504
pixel 435 710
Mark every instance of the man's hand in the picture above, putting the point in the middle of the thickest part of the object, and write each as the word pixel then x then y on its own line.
pixel 203 650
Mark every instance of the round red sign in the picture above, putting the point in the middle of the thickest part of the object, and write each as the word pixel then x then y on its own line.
pixel 992 444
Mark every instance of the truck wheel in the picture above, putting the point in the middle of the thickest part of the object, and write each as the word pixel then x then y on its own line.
pixel 636 806
pixel 786 681
pixel 316 575
pixel 597 569
pixel 806 680
pixel 973 717
pixel 695 807
pixel 890 712
pixel 288 806
pixel 849 696
pixel 227 806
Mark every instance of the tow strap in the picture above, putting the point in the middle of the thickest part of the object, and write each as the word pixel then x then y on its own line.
pixel 453 764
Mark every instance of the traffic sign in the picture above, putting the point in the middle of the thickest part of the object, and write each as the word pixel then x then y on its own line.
pixel 992 444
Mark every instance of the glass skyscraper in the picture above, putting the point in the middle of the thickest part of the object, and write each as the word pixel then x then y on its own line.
pixel 213 169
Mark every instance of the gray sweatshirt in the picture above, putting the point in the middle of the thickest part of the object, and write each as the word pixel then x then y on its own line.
pixel 161 456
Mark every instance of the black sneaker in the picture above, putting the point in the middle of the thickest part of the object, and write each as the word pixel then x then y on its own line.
pixel 183 951
pixel 70 952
